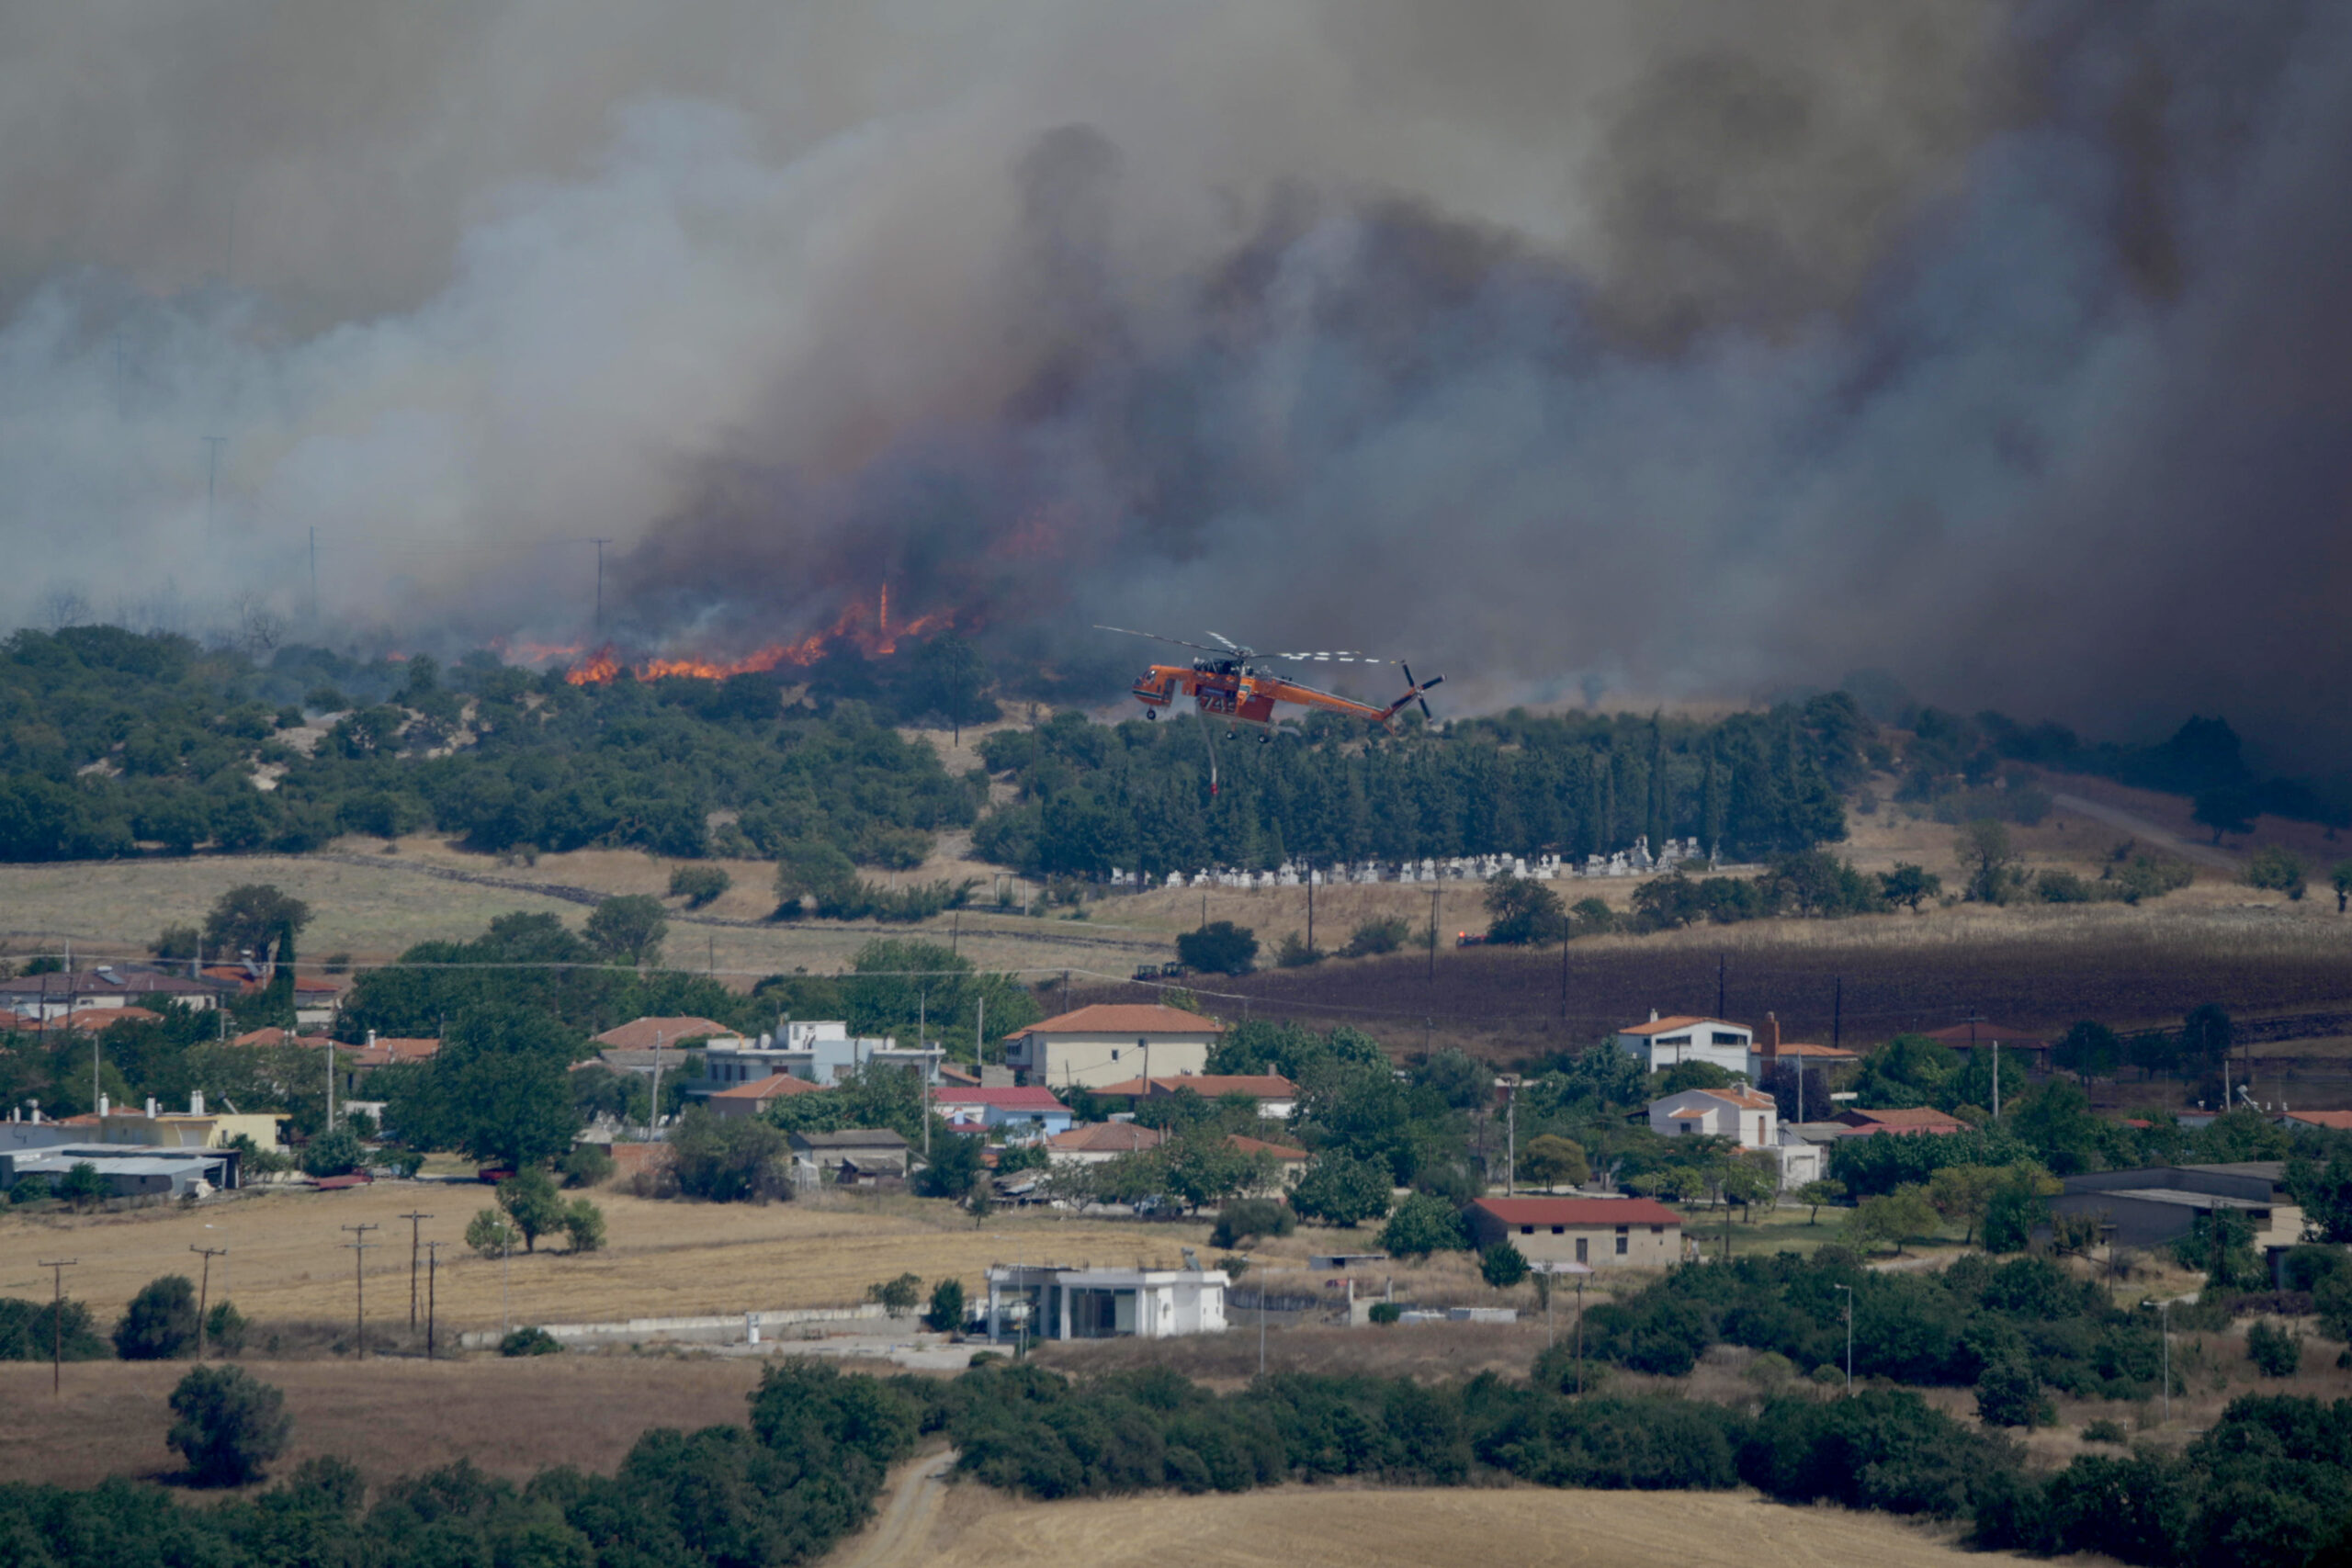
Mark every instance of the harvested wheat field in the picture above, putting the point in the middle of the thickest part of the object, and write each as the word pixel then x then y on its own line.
pixel 287 1261
pixel 1304 1527
pixel 388 1418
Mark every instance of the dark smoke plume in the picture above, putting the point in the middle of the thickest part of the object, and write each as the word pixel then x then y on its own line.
pixel 1639 351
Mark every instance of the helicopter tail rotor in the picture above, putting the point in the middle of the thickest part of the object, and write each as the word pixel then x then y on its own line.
pixel 1413 693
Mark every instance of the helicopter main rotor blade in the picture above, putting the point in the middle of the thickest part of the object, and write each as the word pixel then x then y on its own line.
pixel 1155 637
pixel 1335 656
pixel 1237 650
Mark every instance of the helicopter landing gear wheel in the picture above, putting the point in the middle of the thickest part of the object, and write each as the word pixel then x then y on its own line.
pixel 1151 715
pixel 1232 734
pixel 1265 741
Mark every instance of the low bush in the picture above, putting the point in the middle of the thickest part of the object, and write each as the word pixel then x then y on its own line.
pixel 1243 1217
pixel 530 1341
pixel 227 1425
pixel 160 1322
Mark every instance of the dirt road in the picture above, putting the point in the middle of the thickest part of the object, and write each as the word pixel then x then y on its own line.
pixel 901 1532
pixel 2140 826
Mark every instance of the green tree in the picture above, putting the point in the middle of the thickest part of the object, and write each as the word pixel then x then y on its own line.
pixel 945 1314
pixel 1984 852
pixel 498 1089
pixel 1502 1266
pixel 1961 1193
pixel 1218 948
pixel 1423 1224
pixel 1522 910
pixel 531 1200
pixel 954 1168
pixel 227 1425
pixel 1814 1194
pixel 2206 1036
pixel 1550 1160
pixel 333 1153
pixel 629 929
pixel 2226 808
pixel 2089 1049
pixel 1387 933
pixel 2009 1393
pixel 583 1226
pixel 951 682
pixel 730 1159
pixel 490 1232
pixel 224 1329
pixel 1894 1217
pixel 813 872
pixel 1910 885
pixel 898 1295
pixel 2340 878
pixel 82 1185
pixel 257 919
pixel 160 1322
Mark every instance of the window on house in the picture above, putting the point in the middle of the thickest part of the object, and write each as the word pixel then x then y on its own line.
pixel 1620 1244
pixel 1677 1040
pixel 1582 1242
pixel 1559 1230
pixel 1725 1037
pixel 1657 1230
pixel 1527 1230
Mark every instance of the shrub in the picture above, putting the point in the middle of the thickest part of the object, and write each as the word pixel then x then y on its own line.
pixel 699 885
pixel 2280 871
pixel 335 1151
pixel 32 1331
pixel 2275 1352
pixel 227 1425
pixel 1218 948
pixel 1252 1216
pixel 583 1226
pixel 2105 1431
pixel 30 1189
pixel 1502 1266
pixel 728 1160
pixel 587 1165
pixel 490 1232
pixel 82 1185
pixel 1385 1312
pixel 160 1322
pixel 224 1329
pixel 1423 1224
pixel 530 1341
pixel 1374 937
pixel 945 1314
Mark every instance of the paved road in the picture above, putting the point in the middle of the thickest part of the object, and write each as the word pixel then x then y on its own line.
pixel 2141 827
pixel 900 1533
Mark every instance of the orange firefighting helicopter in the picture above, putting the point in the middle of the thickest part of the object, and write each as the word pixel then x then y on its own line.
pixel 1225 684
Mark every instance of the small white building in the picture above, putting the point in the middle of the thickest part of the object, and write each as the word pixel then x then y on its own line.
pixel 1746 1115
pixel 1057 1303
pixel 1108 1042
pixel 1666 1043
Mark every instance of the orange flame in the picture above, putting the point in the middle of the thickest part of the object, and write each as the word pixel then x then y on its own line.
pixel 849 627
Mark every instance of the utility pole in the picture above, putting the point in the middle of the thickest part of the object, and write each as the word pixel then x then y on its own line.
pixel 980 1033
pixel 359 1246
pixel 1580 1335
pixel 1564 975
pixel 1719 985
pixel 599 623
pixel 415 1222
pixel 57 1267
pixel 1837 1014
pixel 2163 1310
pixel 330 1083
pixel 314 576
pixel 432 1279
pixel 1310 906
pixel 204 1291
pixel 1511 1136
pixel 653 1116
pixel 1433 898
pixel 212 475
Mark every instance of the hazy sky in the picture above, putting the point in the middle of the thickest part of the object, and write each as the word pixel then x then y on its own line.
pixel 1671 349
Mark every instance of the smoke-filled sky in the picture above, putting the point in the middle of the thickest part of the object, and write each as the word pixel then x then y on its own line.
pixel 1640 348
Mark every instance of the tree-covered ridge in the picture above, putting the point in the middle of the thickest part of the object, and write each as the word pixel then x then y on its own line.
pixel 1137 794
pixel 109 740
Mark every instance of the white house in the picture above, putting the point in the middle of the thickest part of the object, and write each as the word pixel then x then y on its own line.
pixel 1664 1042
pixel 1111 1041
pixel 1048 1302
pixel 823 1053
pixel 1753 1119
pixel 1032 1111
pixel 1277 1096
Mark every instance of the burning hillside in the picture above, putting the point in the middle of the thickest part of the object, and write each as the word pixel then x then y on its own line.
pixel 861 627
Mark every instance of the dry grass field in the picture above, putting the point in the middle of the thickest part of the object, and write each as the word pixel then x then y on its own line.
pixel 287 1262
pixel 390 1417
pixel 1313 1528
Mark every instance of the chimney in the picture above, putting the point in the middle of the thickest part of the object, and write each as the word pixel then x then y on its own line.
pixel 102 1105
pixel 195 1102
pixel 1771 1035
pixel 151 1107
pixel 371 1040
pixel 1653 1015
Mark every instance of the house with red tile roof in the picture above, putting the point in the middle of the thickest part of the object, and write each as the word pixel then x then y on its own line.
pixel 1918 1120
pixel 1595 1232
pixel 645 1033
pixel 1102 1141
pixel 745 1100
pixel 1109 1042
